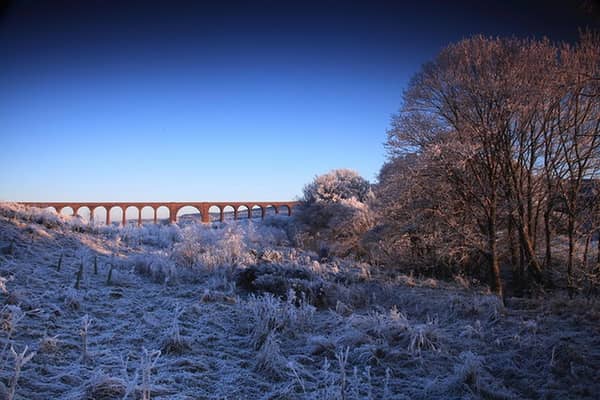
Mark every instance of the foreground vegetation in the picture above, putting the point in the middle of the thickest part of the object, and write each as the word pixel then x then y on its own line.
pixel 236 311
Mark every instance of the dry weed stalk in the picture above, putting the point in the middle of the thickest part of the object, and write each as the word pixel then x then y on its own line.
pixel 149 360
pixel 86 321
pixel 342 359
pixel 9 324
pixel 20 360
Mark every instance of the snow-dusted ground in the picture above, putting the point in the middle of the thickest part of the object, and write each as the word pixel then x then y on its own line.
pixel 233 312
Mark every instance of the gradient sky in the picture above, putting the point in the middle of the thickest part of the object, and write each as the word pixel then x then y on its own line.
pixel 173 101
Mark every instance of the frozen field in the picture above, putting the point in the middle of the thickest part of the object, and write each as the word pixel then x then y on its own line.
pixel 233 311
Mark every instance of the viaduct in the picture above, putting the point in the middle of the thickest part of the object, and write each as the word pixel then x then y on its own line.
pixel 203 207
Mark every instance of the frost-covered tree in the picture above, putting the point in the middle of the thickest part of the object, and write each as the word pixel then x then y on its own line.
pixel 336 213
pixel 508 130
pixel 337 185
pixel 426 226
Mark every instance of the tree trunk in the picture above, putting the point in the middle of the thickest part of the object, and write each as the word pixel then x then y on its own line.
pixel 571 234
pixel 531 228
pixel 548 239
pixel 514 256
pixel 532 262
pixel 598 244
pixel 495 280
pixel 585 250
pixel 523 225
pixel 536 224
pixel 521 260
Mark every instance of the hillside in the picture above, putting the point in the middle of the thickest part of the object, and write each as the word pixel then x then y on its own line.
pixel 234 311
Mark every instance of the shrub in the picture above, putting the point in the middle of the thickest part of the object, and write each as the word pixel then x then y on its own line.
pixel 337 185
pixel 279 280
pixel 157 266
pixel 212 248
pixel 229 249
pixel 269 314
pixel 186 253
pixel 424 337
pixel 335 214
pixel 174 342
pixel 269 358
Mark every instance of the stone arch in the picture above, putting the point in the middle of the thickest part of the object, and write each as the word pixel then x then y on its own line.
pixel 243 211
pixel 163 214
pixel 100 215
pixel 66 210
pixel 188 213
pixel 48 210
pixel 214 213
pixel 132 213
pixel 294 207
pixel 147 213
pixel 116 214
pixel 270 210
pixel 84 212
pixel 258 211
pixel 229 213
pixel 285 209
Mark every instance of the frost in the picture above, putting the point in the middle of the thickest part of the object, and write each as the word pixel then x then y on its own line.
pixel 233 311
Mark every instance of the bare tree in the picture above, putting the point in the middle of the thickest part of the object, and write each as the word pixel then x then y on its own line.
pixel 577 144
pixel 531 105
pixel 427 219
pixel 506 131
pixel 465 94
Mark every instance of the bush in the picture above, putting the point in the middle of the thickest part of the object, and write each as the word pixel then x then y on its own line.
pixel 312 286
pixel 162 236
pixel 337 185
pixel 278 280
pixel 335 214
pixel 158 267
pixel 268 314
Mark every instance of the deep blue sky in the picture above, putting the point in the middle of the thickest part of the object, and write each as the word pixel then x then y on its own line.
pixel 171 100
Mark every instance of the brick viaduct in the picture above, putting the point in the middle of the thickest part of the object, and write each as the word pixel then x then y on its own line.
pixel 173 208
